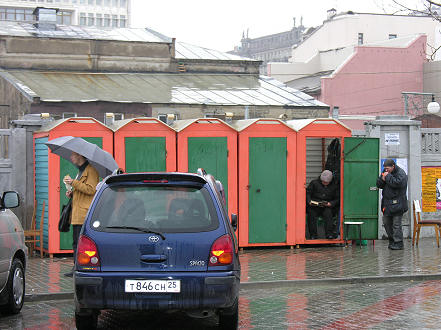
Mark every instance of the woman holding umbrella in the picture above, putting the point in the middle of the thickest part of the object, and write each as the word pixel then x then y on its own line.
pixel 84 187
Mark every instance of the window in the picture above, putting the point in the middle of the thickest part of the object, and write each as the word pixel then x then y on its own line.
pixel 90 19
pixel 114 3
pixel 99 2
pixel 106 20
pixel 90 2
pixel 122 21
pixel 64 17
pixel 360 38
pixel 82 18
pixel 122 3
pixel 99 20
pixel 107 3
pixel 69 114
pixel 29 15
pixel 114 20
pixel 82 2
pixel 392 36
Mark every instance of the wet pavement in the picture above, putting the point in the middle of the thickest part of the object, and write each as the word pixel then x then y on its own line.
pixel 321 287
pixel 45 276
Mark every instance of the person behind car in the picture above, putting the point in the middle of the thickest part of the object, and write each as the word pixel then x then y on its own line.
pixel 393 181
pixel 322 199
pixel 84 188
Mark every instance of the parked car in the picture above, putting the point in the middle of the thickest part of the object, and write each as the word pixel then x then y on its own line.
pixel 13 256
pixel 158 241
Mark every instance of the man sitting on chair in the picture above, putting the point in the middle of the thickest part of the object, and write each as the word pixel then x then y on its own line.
pixel 322 199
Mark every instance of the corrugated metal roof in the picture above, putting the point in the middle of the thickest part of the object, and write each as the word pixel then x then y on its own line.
pixel 158 88
pixel 21 29
pixel 188 51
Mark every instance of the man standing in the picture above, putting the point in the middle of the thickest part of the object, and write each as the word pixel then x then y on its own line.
pixel 393 181
pixel 322 198
pixel 84 188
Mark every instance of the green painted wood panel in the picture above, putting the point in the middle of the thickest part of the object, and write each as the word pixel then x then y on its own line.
pixel 267 190
pixel 145 154
pixel 361 163
pixel 66 167
pixel 42 186
pixel 211 154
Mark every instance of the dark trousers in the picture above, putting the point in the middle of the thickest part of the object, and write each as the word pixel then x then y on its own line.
pixel 75 236
pixel 326 212
pixel 394 230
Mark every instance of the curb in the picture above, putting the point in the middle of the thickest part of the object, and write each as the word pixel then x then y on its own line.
pixel 247 286
pixel 336 281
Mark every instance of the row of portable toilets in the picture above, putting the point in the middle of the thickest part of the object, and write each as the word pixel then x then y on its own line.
pixel 261 163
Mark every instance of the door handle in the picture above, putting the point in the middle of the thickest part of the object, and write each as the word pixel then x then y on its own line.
pixel 373 188
pixel 258 190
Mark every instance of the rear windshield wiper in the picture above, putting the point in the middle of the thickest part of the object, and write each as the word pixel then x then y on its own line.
pixel 144 230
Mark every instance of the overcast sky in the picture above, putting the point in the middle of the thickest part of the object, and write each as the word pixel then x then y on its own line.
pixel 219 24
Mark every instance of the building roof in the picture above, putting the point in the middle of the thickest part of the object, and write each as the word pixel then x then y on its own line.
pixel 242 124
pixel 22 29
pixel 51 124
pixel 310 84
pixel 299 124
pixel 157 88
pixel 188 51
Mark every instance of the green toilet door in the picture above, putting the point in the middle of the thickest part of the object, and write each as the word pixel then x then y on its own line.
pixel 360 195
pixel 145 154
pixel 211 154
pixel 267 190
pixel 66 167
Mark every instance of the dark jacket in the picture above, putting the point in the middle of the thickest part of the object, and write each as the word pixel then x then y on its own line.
pixel 318 192
pixel 394 201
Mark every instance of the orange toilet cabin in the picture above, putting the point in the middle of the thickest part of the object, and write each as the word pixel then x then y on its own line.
pixel 211 144
pixel 313 138
pixel 267 182
pixel 144 144
pixel 49 170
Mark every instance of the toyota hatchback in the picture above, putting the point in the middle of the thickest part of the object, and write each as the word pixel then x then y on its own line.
pixel 158 241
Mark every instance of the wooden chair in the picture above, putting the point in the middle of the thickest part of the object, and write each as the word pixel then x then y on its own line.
pixel 32 234
pixel 418 223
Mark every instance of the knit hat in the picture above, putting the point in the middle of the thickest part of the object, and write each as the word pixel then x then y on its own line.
pixel 326 176
pixel 389 162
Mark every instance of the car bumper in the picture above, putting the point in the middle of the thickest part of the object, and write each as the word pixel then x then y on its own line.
pixel 198 291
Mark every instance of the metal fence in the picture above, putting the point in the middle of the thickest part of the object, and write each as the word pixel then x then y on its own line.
pixel 430 147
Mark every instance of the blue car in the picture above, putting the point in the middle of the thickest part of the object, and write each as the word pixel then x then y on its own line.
pixel 158 241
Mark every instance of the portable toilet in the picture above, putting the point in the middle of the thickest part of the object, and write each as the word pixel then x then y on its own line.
pixel 144 145
pixel 211 144
pixel 50 170
pixel 355 169
pixel 267 167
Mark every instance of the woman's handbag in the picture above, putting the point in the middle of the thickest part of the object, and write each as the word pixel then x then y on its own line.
pixel 64 223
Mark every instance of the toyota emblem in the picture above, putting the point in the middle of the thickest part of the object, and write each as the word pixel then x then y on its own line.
pixel 154 239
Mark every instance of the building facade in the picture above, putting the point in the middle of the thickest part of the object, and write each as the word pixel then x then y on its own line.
pixel 99 13
pixel 270 48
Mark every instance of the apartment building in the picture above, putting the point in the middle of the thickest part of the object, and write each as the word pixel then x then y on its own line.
pixel 99 13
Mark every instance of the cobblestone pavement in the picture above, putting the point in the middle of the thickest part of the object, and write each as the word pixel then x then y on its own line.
pixel 45 276
pixel 403 305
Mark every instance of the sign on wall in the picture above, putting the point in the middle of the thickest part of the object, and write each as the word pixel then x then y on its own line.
pixel 431 188
pixel 392 139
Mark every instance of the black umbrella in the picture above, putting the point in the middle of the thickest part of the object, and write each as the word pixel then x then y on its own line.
pixel 101 160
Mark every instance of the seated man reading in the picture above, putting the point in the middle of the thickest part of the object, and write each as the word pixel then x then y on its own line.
pixel 322 199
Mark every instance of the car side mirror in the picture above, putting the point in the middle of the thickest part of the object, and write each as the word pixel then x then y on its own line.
pixel 234 221
pixel 10 199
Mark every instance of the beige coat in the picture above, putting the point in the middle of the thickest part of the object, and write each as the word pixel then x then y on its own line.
pixel 84 190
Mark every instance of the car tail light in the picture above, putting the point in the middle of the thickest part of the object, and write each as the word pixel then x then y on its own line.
pixel 87 254
pixel 221 252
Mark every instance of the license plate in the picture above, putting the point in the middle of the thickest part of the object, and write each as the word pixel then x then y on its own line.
pixel 153 286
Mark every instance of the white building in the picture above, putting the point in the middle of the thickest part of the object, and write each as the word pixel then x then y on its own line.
pixel 328 46
pixel 100 13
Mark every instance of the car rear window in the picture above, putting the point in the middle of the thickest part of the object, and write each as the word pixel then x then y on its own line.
pixel 160 208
